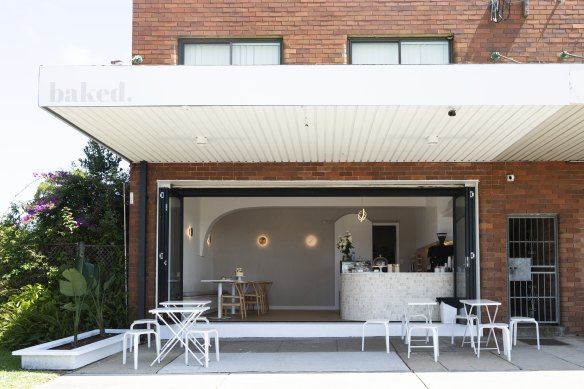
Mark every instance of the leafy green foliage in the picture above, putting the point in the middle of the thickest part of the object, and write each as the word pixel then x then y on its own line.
pixel 74 285
pixel 86 205
pixel 31 317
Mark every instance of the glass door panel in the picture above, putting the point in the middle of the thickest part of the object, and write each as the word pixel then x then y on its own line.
pixel 465 259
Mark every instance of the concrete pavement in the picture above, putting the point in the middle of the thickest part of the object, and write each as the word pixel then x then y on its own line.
pixel 321 362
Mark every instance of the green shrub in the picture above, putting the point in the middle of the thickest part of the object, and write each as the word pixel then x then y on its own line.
pixel 31 317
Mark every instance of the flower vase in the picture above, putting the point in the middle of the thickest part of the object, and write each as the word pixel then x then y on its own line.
pixel 346 257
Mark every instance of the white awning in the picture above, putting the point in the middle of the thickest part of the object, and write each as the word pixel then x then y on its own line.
pixel 324 113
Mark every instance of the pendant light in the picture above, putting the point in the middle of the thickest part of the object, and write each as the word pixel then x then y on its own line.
pixel 362 215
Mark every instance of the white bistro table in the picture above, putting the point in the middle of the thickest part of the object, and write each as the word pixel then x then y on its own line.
pixel 477 305
pixel 181 318
pixel 409 305
pixel 220 284
pixel 429 303
pixel 187 303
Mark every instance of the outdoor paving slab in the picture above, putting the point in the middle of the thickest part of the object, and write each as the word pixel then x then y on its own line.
pixel 423 361
pixel 308 345
pixel 529 358
pixel 293 362
pixel 113 364
pixel 249 345
pixel 574 355
pixel 467 361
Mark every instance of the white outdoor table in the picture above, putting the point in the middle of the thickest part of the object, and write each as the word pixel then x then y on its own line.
pixel 421 302
pixel 477 304
pixel 220 293
pixel 185 303
pixel 183 318
pixel 417 302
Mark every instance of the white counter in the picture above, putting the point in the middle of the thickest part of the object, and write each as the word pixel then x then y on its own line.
pixel 370 295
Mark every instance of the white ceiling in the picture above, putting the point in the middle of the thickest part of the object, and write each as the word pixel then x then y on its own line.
pixel 348 114
pixel 335 133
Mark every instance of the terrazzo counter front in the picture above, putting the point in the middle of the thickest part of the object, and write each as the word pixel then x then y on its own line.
pixel 370 295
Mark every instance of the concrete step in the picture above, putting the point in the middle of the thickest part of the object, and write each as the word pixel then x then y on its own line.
pixel 545 331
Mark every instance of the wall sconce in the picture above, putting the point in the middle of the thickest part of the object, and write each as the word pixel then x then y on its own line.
pixel 496 56
pixel 209 240
pixel 311 240
pixel 262 240
pixel 564 55
pixel 190 232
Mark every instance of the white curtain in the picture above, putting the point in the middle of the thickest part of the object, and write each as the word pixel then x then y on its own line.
pixel 374 53
pixel 206 54
pixel 427 53
pixel 256 53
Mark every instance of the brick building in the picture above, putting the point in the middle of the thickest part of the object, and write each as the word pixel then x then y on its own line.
pixel 389 106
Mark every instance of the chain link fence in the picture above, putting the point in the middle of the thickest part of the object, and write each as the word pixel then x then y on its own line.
pixel 32 308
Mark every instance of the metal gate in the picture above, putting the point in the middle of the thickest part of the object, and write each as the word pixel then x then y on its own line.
pixel 532 260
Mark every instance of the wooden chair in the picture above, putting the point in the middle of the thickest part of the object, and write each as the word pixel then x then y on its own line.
pixel 265 287
pixel 256 297
pixel 236 300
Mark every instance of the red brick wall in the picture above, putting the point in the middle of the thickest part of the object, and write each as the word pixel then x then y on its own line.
pixel 316 31
pixel 553 187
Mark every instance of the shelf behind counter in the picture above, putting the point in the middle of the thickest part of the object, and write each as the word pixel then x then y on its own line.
pixel 370 295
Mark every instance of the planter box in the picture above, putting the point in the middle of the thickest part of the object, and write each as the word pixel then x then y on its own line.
pixel 41 358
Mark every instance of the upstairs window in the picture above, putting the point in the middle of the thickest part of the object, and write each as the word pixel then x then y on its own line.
pixel 399 51
pixel 228 52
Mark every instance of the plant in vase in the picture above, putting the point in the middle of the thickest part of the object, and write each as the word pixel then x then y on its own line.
pixel 345 245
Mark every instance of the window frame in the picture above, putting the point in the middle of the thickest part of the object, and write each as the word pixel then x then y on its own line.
pixel 399 41
pixel 226 41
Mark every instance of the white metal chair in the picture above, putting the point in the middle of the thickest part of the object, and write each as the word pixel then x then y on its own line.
pixel 522 319
pixel 149 323
pixel 506 338
pixel 428 328
pixel 203 347
pixel 134 336
pixel 407 317
pixel 383 322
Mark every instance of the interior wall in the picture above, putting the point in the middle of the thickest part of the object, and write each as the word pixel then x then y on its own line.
pixel 195 266
pixel 303 276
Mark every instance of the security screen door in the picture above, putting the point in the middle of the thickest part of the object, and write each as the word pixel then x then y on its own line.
pixel 532 259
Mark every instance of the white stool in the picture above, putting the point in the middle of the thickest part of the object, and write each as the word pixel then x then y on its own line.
pixel 380 321
pixel 506 338
pixel 473 319
pixel 134 336
pixel 425 327
pixel 148 323
pixel 407 317
pixel 202 348
pixel 521 319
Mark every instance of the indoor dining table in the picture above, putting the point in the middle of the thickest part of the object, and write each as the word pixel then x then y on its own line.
pixel 178 320
pixel 220 284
